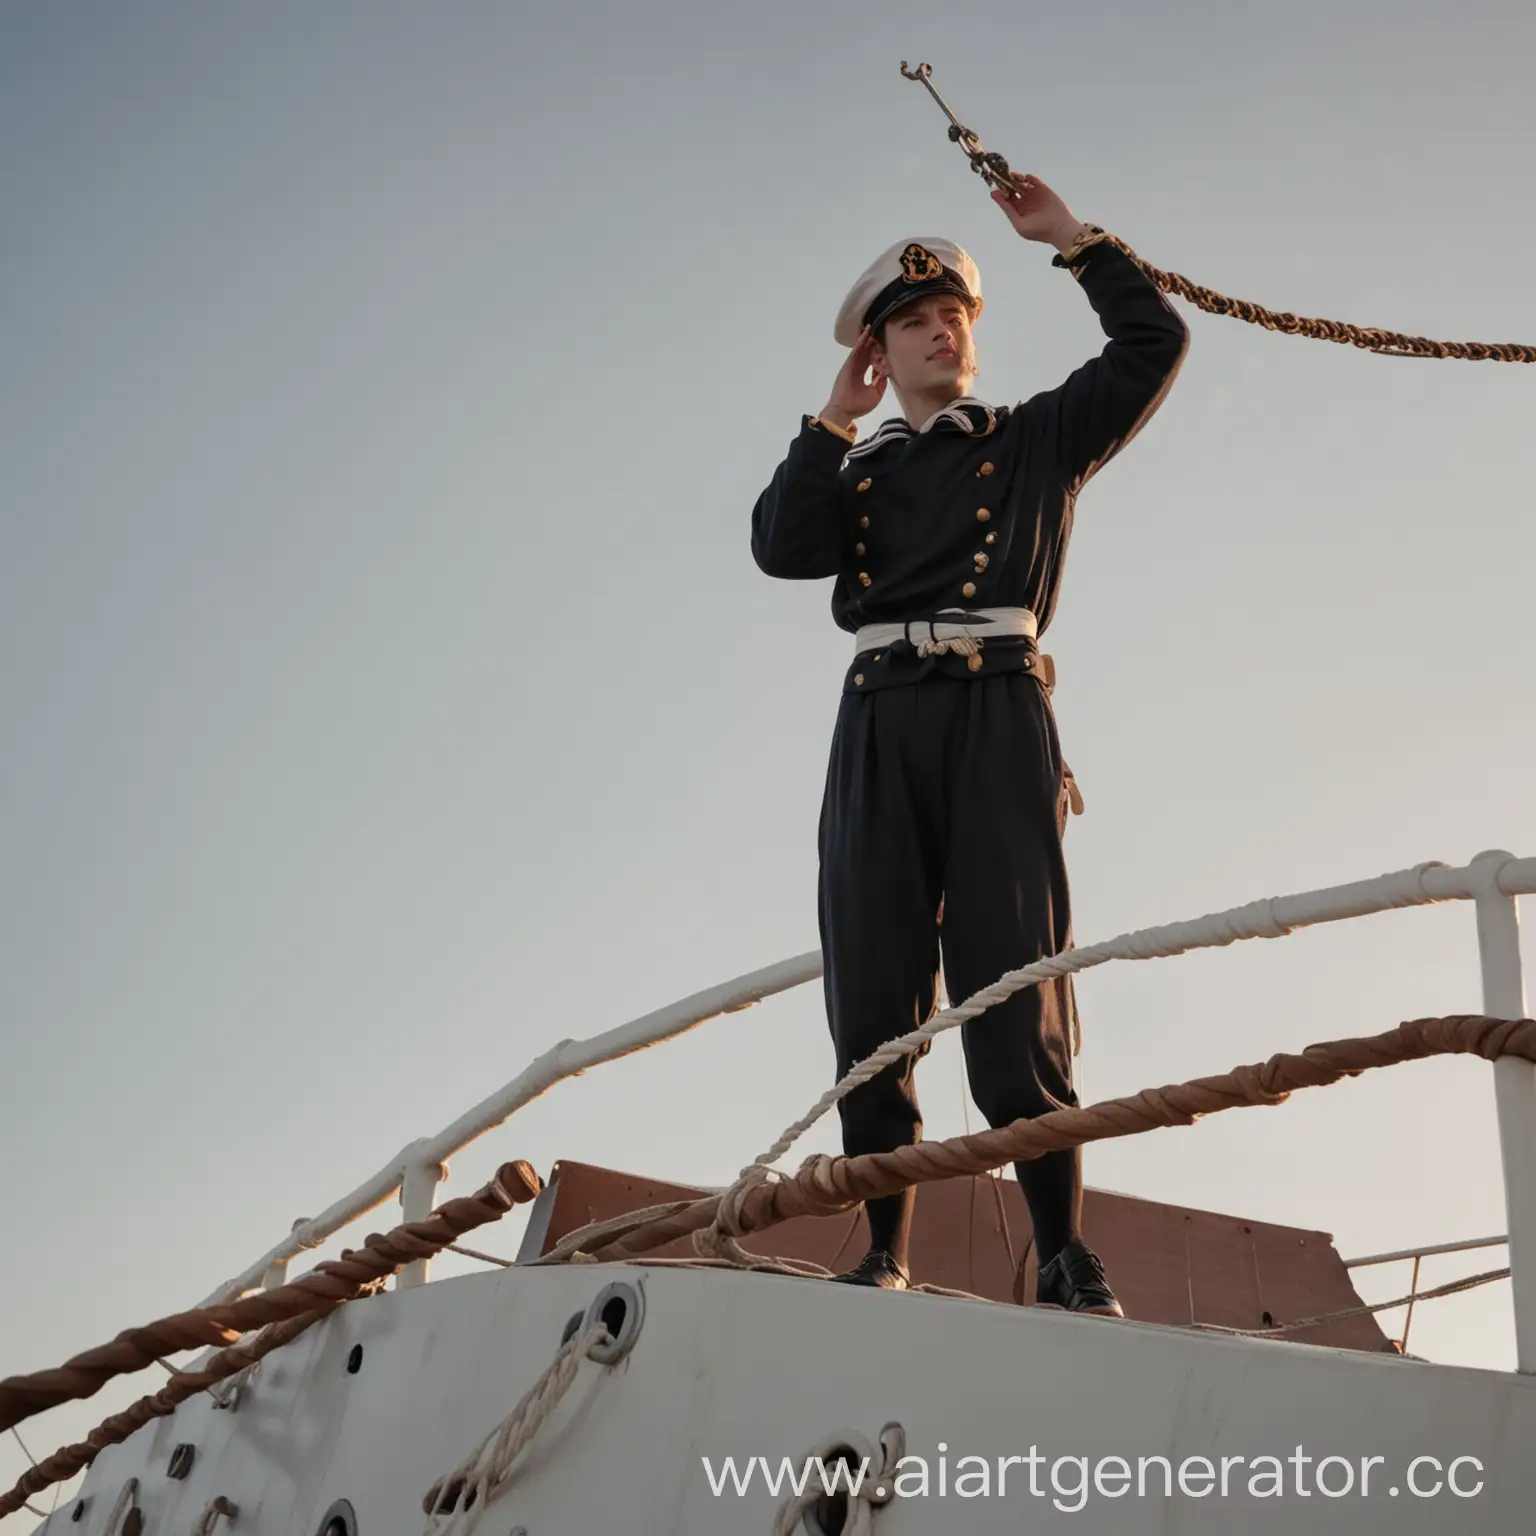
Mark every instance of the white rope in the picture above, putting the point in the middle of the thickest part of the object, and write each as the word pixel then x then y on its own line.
pixel 874 1490
pixel 127 1498
pixel 210 1516
pixel 596 1233
pixel 32 1509
pixel 23 1444
pixel 799 1269
pixel 479 1478
pixel 485 1258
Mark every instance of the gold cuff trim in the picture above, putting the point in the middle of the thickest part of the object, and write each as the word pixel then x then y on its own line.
pixel 1089 235
pixel 848 434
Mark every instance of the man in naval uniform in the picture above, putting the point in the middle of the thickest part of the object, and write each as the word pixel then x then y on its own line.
pixel 945 796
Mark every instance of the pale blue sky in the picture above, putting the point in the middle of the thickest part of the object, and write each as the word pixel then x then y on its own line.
pixel 384 391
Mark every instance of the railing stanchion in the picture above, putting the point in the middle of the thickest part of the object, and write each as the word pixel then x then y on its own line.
pixel 418 1194
pixel 277 1270
pixel 1514 1082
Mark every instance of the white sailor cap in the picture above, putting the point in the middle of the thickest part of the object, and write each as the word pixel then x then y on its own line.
pixel 911 269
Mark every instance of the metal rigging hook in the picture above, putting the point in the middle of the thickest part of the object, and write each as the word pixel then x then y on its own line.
pixel 990 166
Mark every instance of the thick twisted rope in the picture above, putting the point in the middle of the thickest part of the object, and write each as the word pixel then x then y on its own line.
pixel 467 1491
pixel 63 1464
pixel 993 170
pixel 1370 338
pixel 825 1186
pixel 288 1310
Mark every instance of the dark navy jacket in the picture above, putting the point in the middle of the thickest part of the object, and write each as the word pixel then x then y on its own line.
pixel 901 519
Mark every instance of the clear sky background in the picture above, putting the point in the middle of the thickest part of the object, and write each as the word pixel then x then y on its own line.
pixel 389 690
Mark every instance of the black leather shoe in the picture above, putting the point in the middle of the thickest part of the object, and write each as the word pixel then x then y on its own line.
pixel 1074 1279
pixel 878 1268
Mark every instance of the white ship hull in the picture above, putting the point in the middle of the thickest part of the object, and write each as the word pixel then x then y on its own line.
pixel 740 1365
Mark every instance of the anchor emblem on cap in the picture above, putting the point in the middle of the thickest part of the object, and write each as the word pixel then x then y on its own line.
pixel 920 265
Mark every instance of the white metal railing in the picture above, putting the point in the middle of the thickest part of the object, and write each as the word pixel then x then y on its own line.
pixel 1493 880
pixel 1398 1255
pixel 1418 1255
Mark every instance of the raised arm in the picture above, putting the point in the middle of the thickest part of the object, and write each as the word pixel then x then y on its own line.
pixel 1107 401
pixel 795 530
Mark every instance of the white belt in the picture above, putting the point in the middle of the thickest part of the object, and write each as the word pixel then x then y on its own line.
pixel 963 634
pixel 961 630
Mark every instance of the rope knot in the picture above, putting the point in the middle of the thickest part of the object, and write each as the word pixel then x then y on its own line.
pixel 960 645
pixel 822 1178
pixel 719 1239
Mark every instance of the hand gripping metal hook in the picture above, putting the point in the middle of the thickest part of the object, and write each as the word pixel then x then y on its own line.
pixel 991 167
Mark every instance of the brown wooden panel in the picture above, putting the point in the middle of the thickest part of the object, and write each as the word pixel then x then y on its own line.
pixel 1167 1263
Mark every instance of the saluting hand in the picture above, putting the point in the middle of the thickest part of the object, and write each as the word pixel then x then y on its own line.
pixel 1037 212
pixel 851 396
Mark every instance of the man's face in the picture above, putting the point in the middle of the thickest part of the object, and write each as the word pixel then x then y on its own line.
pixel 928 346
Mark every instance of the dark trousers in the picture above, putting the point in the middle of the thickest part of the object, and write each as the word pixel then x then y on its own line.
pixel 941 825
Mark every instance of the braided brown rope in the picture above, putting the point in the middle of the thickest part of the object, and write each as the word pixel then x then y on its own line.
pixel 300 1302
pixel 1392 343
pixel 824 1186
pixel 63 1464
